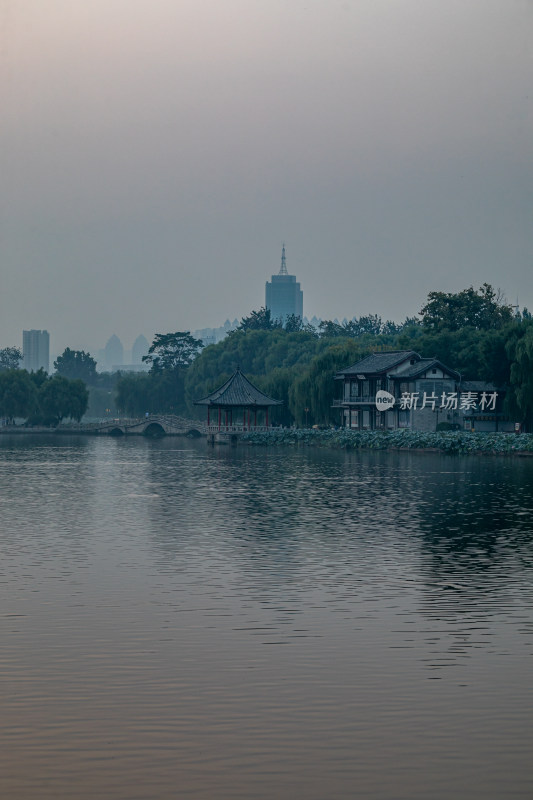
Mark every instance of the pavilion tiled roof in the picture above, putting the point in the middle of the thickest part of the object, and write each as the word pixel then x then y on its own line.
pixel 238 391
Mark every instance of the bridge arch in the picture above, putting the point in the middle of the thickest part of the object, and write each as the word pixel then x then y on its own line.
pixel 116 431
pixel 154 429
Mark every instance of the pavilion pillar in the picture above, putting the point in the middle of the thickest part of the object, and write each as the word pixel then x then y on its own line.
pixel 244 419
pixel 208 409
pixel 267 416
pixel 255 417
pixel 219 416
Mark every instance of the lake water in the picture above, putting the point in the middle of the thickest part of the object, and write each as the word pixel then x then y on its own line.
pixel 179 621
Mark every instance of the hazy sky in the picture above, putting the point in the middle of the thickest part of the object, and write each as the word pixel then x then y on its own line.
pixel 155 155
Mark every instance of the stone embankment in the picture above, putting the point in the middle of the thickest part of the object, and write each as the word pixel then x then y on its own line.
pixel 457 442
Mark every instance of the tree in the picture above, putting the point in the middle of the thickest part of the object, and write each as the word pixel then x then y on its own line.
pixel 60 397
pixel 39 377
pixel 520 352
pixel 315 388
pixel 10 358
pixel 76 364
pixel 160 392
pixel 295 324
pixel 329 329
pixel 370 324
pixel 483 309
pixel 259 321
pixel 18 395
pixel 172 351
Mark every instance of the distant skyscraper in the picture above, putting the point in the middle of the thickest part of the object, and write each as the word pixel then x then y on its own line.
pixel 36 350
pixel 139 349
pixel 114 352
pixel 283 295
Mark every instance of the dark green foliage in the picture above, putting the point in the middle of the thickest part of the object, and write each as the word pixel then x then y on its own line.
pixel 101 403
pixel 370 326
pixel 18 393
pixel 172 351
pixel 60 397
pixel 76 364
pixel 270 359
pixel 259 321
pixel 10 358
pixel 452 442
pixel 472 332
pixel 294 324
pixel 39 377
pixel 482 309
pixel 40 399
pixel 330 330
pixel 520 352
pixel 162 389
pixel 160 392
pixel 315 387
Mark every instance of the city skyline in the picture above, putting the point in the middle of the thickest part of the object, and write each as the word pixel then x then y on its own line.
pixel 153 166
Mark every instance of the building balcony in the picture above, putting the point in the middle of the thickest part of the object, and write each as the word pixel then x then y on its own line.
pixel 364 400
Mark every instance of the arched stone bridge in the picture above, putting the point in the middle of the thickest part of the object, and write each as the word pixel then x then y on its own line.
pixel 154 425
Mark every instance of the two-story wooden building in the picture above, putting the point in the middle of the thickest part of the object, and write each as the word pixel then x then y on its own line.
pixel 400 389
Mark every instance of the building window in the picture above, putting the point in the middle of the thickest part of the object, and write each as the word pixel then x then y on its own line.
pixel 404 387
pixel 404 419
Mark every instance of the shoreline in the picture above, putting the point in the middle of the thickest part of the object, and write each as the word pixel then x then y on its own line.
pixel 451 442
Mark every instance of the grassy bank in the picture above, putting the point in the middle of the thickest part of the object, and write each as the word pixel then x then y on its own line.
pixel 460 442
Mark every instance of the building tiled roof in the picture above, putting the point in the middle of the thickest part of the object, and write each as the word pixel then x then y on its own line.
pixel 237 391
pixel 378 362
pixel 424 364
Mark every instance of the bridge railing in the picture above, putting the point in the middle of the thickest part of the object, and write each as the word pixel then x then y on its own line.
pixel 237 428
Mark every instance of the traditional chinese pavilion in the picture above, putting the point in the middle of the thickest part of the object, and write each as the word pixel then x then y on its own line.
pixel 237 406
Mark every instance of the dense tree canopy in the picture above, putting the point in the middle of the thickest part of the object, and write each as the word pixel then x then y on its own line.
pixel 472 332
pixel 18 393
pixel 172 351
pixel 482 309
pixel 10 358
pixel 60 397
pixel 259 321
pixel 520 354
pixel 39 398
pixel 76 364
pixel 162 389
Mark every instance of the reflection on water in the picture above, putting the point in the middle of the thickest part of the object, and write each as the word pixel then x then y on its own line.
pixel 184 621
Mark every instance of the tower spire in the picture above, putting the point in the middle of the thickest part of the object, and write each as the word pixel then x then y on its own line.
pixel 283 268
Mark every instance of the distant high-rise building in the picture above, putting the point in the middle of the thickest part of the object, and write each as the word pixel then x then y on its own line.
pixel 140 348
pixel 114 352
pixel 36 350
pixel 214 335
pixel 283 295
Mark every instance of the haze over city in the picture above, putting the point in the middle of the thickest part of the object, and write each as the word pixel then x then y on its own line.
pixel 155 157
